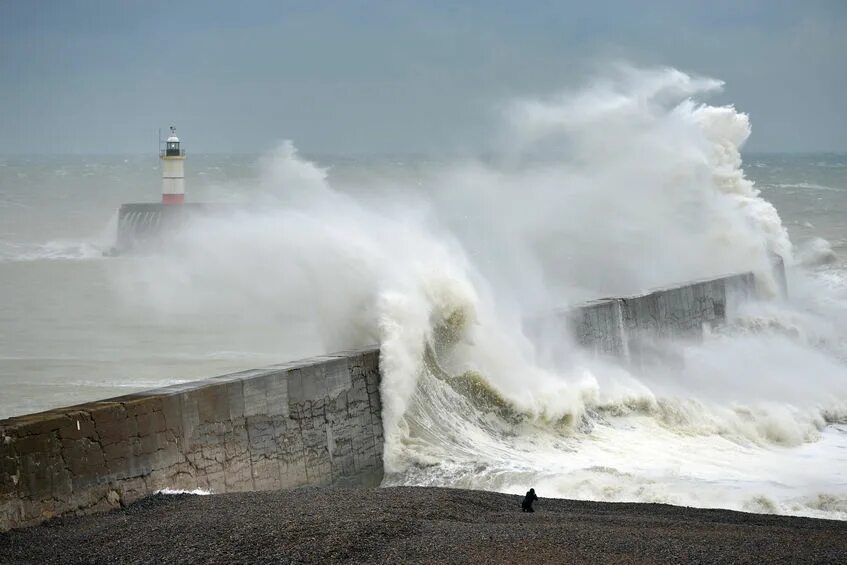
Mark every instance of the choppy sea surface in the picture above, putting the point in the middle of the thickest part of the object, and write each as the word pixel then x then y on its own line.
pixel 76 325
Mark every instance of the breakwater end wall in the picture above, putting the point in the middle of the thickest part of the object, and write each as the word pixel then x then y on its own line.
pixel 311 422
pixel 146 225
pixel 629 328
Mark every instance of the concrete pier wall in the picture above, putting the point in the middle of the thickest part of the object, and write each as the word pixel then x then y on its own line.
pixel 140 224
pixel 312 422
pixel 147 225
pixel 628 327
pixel 598 326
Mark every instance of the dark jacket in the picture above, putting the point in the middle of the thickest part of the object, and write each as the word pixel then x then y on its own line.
pixel 528 500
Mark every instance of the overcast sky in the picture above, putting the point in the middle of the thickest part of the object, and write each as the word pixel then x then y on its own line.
pixel 370 77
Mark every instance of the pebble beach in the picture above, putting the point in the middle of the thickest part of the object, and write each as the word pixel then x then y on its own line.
pixel 418 525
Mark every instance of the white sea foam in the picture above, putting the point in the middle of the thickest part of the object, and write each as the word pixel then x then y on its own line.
pixel 134 384
pixel 197 491
pixel 56 250
pixel 817 251
pixel 806 186
pixel 80 249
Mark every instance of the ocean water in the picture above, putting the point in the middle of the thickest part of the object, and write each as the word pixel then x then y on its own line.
pixel 629 184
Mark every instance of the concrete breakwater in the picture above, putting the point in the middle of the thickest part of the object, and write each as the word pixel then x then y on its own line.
pixel 628 328
pixel 311 422
pixel 142 225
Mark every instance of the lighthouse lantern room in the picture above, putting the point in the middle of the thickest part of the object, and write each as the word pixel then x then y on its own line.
pixel 173 170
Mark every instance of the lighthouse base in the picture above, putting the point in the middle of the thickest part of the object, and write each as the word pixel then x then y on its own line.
pixel 170 199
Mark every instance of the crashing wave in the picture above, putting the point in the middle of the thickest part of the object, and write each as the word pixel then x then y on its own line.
pixel 631 183
pixel 816 252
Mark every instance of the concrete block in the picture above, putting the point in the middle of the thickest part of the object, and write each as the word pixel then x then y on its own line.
pixel 78 425
pixel 337 376
pixel 312 383
pixel 212 403
pixel 150 423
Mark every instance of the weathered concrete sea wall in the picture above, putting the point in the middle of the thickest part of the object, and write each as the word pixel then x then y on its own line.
pixel 311 422
pixel 628 328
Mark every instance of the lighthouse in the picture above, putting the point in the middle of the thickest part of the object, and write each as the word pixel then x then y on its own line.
pixel 173 170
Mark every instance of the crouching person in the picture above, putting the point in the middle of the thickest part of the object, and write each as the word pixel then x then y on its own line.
pixel 530 497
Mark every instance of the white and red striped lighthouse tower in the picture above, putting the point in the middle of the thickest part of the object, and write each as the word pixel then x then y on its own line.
pixel 173 170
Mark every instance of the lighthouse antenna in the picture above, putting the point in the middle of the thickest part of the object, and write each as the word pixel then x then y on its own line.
pixel 159 146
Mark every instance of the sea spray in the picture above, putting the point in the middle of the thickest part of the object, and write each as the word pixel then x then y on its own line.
pixel 625 185
pixel 628 184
